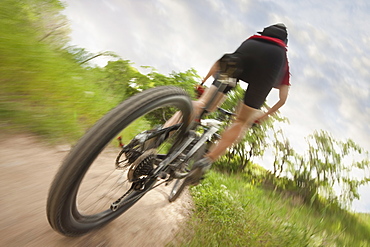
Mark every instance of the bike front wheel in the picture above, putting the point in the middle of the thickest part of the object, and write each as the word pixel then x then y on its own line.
pixel 96 172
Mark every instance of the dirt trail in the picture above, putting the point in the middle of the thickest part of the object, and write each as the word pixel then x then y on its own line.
pixel 27 168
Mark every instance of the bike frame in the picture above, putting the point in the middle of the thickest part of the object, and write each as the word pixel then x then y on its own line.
pixel 167 165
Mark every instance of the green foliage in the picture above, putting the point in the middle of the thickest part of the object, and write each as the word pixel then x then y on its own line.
pixel 123 79
pixel 329 163
pixel 82 56
pixel 44 19
pixel 282 152
pixel 48 87
pixel 42 89
pixel 230 211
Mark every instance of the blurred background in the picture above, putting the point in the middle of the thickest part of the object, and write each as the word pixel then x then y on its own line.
pixel 64 64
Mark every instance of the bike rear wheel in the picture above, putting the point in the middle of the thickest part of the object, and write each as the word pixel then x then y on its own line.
pixel 92 177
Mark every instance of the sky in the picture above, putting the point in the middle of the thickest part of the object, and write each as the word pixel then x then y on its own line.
pixel 328 51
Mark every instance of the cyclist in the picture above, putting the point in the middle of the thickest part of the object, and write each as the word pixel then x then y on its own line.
pixel 262 62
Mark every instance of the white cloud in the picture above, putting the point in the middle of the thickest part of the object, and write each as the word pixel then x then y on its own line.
pixel 366 40
pixel 362 64
pixel 311 73
pixel 316 54
pixel 355 113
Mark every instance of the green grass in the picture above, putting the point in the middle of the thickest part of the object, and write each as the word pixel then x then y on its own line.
pixel 229 211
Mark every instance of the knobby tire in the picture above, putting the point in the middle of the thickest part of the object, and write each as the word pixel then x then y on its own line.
pixel 62 207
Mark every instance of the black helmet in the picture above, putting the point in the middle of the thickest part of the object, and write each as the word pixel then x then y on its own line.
pixel 276 31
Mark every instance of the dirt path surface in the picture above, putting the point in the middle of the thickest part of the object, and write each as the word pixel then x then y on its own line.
pixel 27 168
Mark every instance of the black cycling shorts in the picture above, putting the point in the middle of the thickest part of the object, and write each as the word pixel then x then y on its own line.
pixel 261 64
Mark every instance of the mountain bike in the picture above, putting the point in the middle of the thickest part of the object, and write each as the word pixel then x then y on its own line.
pixel 100 180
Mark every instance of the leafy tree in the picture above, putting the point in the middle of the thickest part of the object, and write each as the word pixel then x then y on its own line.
pixel 186 80
pixel 45 18
pixel 82 56
pixel 282 151
pixel 121 78
pixel 328 164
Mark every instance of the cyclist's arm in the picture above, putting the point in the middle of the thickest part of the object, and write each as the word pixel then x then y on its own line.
pixel 283 95
pixel 211 72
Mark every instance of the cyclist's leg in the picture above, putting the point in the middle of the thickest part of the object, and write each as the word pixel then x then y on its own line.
pixel 245 117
